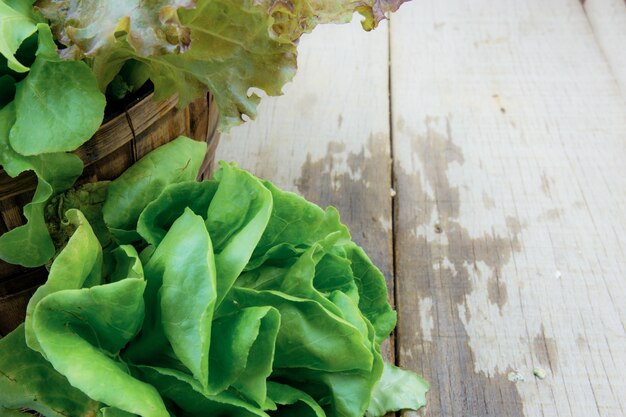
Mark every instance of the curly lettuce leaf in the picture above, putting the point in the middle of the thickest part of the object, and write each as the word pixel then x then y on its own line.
pixel 295 225
pixel 303 339
pixel 126 264
pixel 152 28
pixel 370 282
pixel 225 46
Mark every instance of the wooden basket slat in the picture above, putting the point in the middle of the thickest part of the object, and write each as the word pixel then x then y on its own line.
pixel 208 166
pixel 170 125
pixel 108 167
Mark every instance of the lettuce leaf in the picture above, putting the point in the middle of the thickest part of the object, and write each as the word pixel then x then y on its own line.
pixel 177 161
pixel 58 105
pixel 152 28
pixel 78 266
pixel 28 381
pixel 397 389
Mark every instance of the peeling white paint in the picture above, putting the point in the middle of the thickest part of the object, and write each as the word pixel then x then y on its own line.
pixel 427 323
pixel 406 352
pixel 386 223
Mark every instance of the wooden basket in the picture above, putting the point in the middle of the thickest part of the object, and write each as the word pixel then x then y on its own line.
pixel 121 140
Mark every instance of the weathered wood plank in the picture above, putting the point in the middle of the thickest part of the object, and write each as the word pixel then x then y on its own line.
pixel 327 138
pixel 608 21
pixel 508 132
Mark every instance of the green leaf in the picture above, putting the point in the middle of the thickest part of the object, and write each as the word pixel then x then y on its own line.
pixel 28 381
pixel 397 389
pixel 242 351
pixel 341 394
pixel 158 216
pixel 56 112
pixel 152 28
pixel 94 324
pixel 182 263
pixel 5 412
pixel 304 337
pixel 30 245
pixel 334 273
pixel 15 26
pixel 78 265
pixel 294 402
pixel 131 76
pixel 295 225
pixel 193 403
pixel 297 279
pixel 236 219
pixel 372 292
pixel 115 412
pixel 127 264
pixel 187 296
pixel 176 161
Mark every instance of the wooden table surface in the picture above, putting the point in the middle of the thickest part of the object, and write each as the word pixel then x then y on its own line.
pixel 477 150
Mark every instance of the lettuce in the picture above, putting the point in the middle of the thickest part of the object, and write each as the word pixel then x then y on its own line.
pixel 226 297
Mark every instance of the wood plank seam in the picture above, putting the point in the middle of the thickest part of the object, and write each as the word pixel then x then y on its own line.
pixel 392 188
pixel 602 49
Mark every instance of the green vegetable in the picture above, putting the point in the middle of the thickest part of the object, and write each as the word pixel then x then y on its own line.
pixel 233 298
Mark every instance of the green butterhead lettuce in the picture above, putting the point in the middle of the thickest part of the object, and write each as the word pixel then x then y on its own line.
pixel 232 298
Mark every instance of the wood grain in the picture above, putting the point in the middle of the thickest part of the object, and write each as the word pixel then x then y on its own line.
pixel 328 136
pixel 508 141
